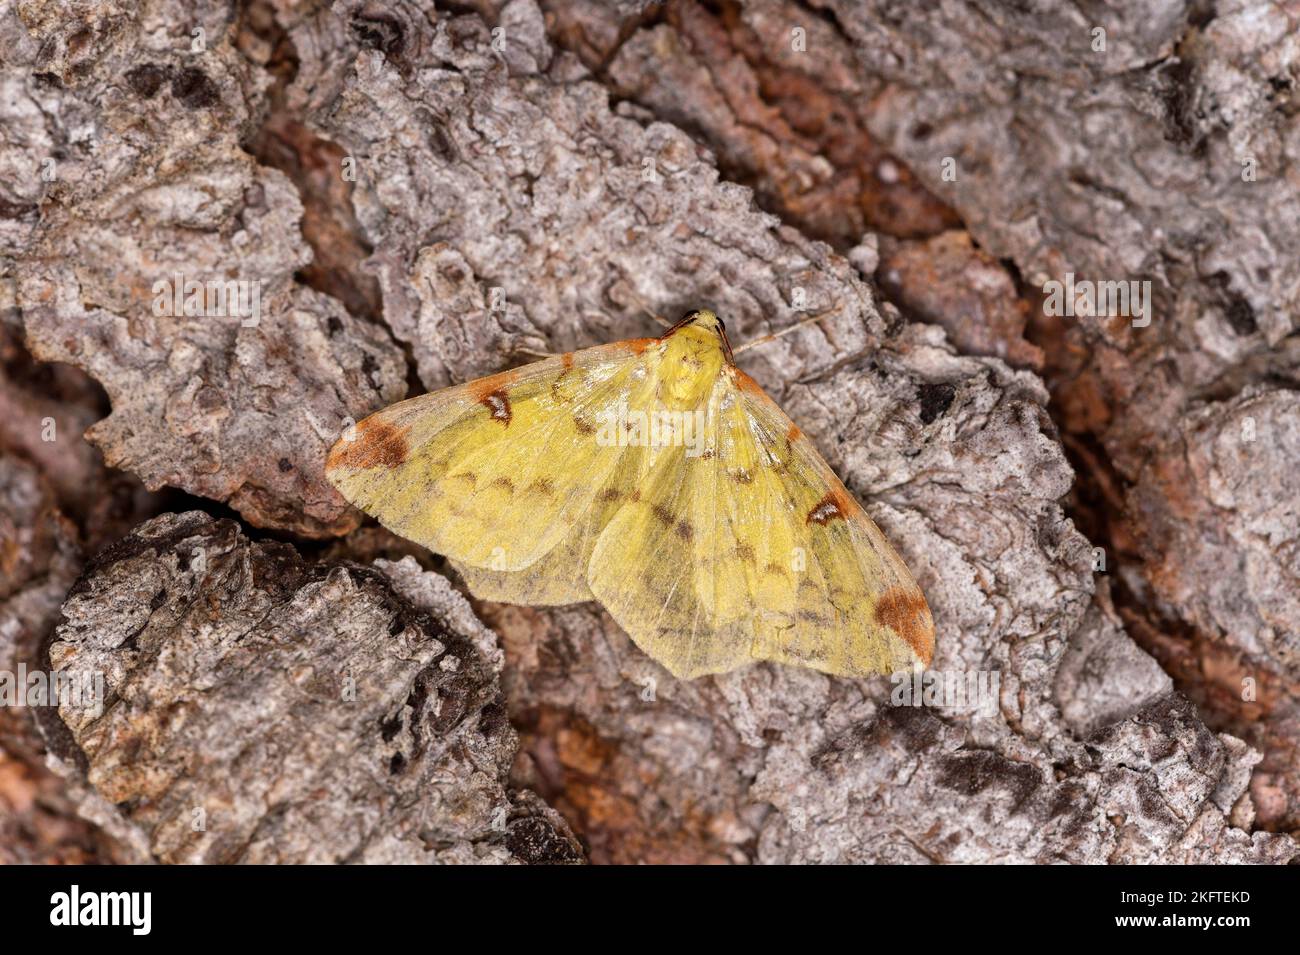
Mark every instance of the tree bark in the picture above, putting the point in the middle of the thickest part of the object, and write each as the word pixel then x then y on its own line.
pixel 422 193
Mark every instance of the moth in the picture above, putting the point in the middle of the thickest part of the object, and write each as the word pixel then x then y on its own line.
pixel 657 478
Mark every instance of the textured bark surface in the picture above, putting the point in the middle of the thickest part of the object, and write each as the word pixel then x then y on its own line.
pixel 258 709
pixel 1118 164
pixel 39 559
pixel 423 194
pixel 152 184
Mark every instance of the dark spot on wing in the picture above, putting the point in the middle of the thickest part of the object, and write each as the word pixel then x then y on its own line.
pixel 826 510
pixel 492 393
pixel 498 403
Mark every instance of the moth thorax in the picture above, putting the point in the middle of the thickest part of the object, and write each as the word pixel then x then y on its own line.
pixel 691 364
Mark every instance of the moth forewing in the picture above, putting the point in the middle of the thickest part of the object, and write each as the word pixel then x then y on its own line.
pixel 492 473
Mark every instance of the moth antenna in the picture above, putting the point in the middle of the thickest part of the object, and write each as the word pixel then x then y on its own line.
pixel 833 368
pixel 645 307
pixel 533 352
pixel 785 331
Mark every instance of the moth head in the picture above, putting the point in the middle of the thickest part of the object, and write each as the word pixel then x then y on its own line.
pixel 702 322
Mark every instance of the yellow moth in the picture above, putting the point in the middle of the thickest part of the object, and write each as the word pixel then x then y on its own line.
pixel 657 478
